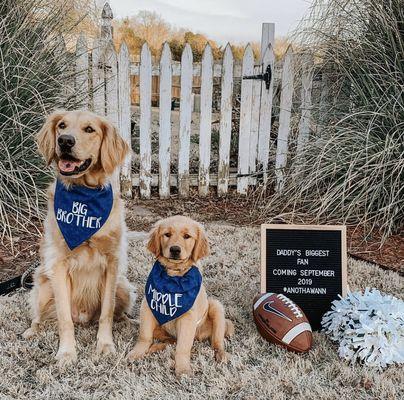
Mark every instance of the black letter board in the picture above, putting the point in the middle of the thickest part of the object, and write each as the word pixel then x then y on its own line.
pixel 306 263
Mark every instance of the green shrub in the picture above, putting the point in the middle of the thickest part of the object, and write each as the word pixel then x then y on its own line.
pixel 35 69
pixel 353 170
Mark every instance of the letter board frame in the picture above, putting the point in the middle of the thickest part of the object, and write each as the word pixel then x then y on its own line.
pixel 312 304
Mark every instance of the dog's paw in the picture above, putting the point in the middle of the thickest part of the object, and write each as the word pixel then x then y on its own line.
pixel 105 348
pixel 134 355
pixel 156 347
pixel 229 329
pixel 183 370
pixel 30 333
pixel 66 357
pixel 221 356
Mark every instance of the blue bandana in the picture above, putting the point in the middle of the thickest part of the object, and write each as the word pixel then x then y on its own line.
pixel 171 296
pixel 81 211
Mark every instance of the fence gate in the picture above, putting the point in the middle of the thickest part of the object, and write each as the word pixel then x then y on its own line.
pixel 256 110
pixel 106 77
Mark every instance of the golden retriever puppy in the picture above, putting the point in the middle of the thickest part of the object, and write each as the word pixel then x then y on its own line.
pixel 176 304
pixel 82 276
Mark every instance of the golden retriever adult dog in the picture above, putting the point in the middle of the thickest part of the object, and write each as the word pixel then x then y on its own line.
pixel 82 276
pixel 176 304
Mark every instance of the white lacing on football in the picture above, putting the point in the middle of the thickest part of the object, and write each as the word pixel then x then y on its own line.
pixel 289 303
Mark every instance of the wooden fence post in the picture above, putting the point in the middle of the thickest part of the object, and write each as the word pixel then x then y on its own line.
pixel 268 58
pixel 226 106
pixel 206 120
pixel 124 100
pixel 267 38
pixel 98 78
pixel 145 122
pixel 284 119
pixel 245 122
pixel 106 23
pixel 255 122
pixel 111 84
pixel 185 121
pixel 165 122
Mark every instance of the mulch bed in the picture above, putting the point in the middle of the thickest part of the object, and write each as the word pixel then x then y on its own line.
pixel 240 210
pixel 389 255
pixel 25 253
pixel 234 209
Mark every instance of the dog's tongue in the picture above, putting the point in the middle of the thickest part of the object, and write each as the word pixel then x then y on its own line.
pixel 68 166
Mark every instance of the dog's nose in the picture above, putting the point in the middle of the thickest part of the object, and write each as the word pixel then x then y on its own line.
pixel 175 251
pixel 66 142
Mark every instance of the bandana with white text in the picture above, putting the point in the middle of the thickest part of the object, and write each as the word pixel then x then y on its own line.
pixel 169 297
pixel 81 211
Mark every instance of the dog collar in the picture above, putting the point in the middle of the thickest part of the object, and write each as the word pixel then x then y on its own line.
pixel 80 211
pixel 169 297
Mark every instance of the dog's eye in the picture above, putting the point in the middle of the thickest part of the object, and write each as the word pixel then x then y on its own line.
pixel 168 234
pixel 62 125
pixel 186 236
pixel 89 129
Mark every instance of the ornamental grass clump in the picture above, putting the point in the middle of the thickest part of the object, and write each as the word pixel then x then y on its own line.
pixel 35 69
pixel 352 168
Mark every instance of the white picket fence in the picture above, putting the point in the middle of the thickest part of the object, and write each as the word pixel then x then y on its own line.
pixel 104 76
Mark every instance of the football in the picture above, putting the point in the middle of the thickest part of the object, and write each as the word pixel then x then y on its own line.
pixel 281 321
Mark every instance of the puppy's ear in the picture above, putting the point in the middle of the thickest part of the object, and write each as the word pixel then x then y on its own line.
pixel 201 248
pixel 153 245
pixel 113 148
pixel 46 137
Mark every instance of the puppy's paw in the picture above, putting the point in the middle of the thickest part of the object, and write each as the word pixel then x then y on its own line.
pixel 66 357
pixel 183 370
pixel 156 347
pixel 30 333
pixel 135 354
pixel 221 356
pixel 105 347
pixel 229 329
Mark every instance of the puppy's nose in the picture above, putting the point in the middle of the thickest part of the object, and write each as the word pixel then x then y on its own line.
pixel 66 142
pixel 175 251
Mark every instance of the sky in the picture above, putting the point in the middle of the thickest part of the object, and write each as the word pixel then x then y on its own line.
pixel 221 20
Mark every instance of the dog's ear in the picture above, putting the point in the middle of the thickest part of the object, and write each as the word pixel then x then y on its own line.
pixel 46 137
pixel 201 248
pixel 113 148
pixel 153 245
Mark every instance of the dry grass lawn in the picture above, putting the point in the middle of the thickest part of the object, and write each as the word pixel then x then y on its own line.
pixel 256 368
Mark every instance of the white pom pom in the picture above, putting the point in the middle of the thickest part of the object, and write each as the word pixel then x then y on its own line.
pixel 369 328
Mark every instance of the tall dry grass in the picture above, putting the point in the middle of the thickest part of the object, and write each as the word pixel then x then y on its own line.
pixel 352 170
pixel 35 71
